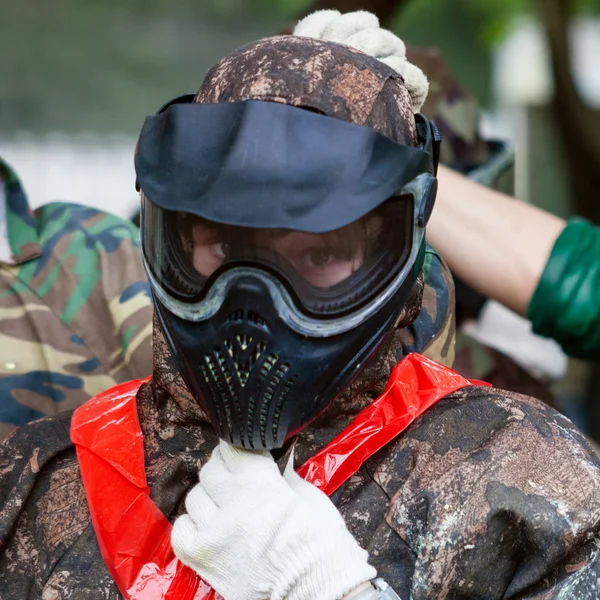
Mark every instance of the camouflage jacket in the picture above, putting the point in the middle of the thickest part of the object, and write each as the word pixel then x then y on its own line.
pixel 489 495
pixel 454 109
pixel 75 311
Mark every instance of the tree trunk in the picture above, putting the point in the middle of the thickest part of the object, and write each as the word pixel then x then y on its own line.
pixel 579 128
pixel 578 124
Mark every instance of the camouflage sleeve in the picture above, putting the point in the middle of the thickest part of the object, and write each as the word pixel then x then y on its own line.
pixel 76 317
pixel 433 332
pixel 48 548
pixel 108 294
pixel 24 457
pixel 494 495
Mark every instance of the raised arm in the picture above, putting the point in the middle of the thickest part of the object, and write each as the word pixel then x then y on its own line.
pixel 496 244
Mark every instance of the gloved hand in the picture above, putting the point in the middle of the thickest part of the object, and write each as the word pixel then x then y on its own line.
pixel 254 534
pixel 361 30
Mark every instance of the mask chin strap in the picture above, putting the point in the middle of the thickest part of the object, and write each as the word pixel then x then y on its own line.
pixel 430 139
pixel 183 99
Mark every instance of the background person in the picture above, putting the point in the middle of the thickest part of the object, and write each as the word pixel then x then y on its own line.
pixel 75 311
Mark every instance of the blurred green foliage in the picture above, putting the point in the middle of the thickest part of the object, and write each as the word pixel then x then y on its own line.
pixel 104 64
pixel 500 14
pixel 455 28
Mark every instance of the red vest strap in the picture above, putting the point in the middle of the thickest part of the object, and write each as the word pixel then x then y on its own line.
pixel 134 536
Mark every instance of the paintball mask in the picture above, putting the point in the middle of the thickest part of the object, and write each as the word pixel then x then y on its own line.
pixel 281 247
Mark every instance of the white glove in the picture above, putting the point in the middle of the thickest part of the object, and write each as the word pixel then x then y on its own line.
pixel 254 534
pixel 361 31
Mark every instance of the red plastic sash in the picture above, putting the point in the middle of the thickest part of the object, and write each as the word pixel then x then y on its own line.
pixel 134 536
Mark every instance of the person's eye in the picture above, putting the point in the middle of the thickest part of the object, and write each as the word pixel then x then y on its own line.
pixel 318 258
pixel 219 249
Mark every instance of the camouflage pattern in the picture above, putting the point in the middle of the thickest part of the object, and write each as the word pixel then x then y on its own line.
pixel 433 331
pixel 325 77
pixel 455 111
pixel 75 310
pixel 489 495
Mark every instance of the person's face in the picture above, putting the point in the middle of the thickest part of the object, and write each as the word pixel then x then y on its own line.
pixel 322 260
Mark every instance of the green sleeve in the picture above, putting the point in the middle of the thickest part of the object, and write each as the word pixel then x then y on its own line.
pixel 566 303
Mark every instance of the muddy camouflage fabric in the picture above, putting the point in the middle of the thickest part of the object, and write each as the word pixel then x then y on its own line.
pixel 325 77
pixel 433 331
pixel 75 311
pixel 47 545
pixel 455 111
pixel 487 496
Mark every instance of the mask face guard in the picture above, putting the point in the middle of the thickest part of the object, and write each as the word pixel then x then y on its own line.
pixel 277 166
pixel 357 168
pixel 421 190
pixel 261 367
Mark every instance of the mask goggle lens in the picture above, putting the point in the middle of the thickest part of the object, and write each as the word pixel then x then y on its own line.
pixel 326 273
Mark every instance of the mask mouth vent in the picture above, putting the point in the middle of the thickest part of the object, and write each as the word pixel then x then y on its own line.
pixel 249 386
pixel 218 378
pixel 275 381
pixel 236 316
pixel 257 320
pixel 283 394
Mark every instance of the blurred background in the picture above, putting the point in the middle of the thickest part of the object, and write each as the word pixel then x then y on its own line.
pixel 77 78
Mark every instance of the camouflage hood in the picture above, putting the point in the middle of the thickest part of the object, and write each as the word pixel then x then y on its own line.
pixel 456 113
pixel 19 239
pixel 329 78
pixel 342 83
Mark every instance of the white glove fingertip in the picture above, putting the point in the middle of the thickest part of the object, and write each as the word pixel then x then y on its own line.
pixel 314 24
pixel 183 538
pixel 200 506
pixel 239 459
pixel 360 30
pixel 395 62
pixel 214 476
pixel 417 85
pixel 348 24
pixel 379 43
pixel 289 474
pixel 302 487
pixel 292 459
